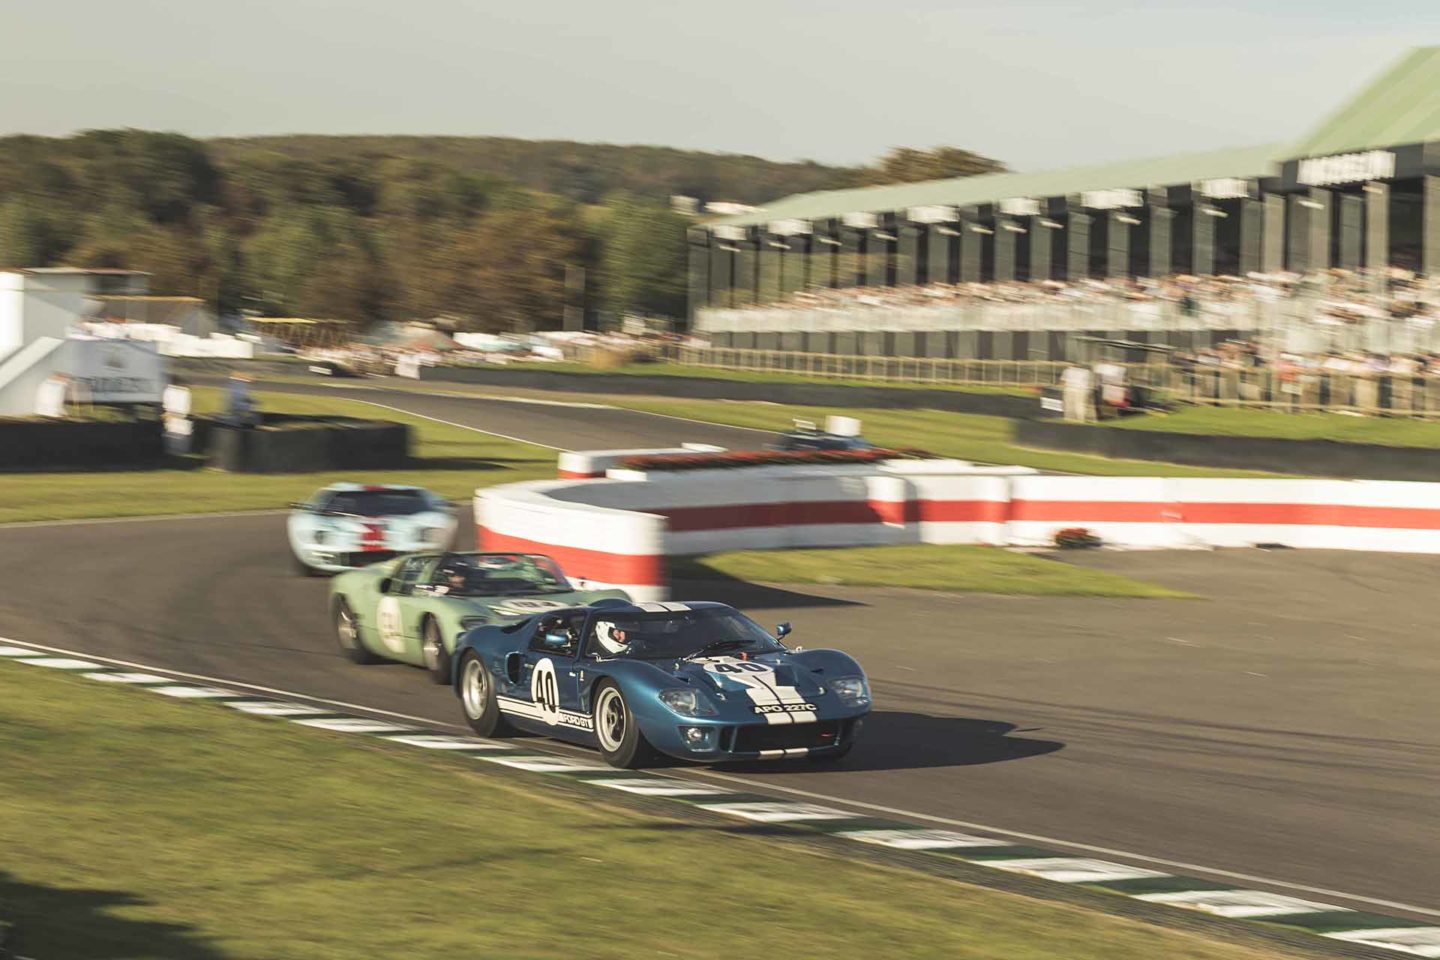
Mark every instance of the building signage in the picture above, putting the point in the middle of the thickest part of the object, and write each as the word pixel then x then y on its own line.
pixel 1225 188
pixel 862 221
pixel 1112 199
pixel 110 371
pixel 1347 168
pixel 1020 207
pixel 932 213
pixel 789 228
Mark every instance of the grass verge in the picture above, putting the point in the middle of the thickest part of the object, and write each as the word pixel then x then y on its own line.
pixel 449 460
pixel 135 826
pixel 1221 421
pixel 958 568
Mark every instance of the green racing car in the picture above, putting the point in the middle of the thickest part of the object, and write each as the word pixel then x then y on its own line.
pixel 414 608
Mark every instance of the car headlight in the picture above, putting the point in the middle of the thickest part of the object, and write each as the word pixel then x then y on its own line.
pixel 688 703
pixel 852 691
pixel 470 623
pixel 322 536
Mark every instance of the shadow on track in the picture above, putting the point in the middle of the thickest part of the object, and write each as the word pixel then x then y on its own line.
pixel 741 594
pixel 81 924
pixel 895 740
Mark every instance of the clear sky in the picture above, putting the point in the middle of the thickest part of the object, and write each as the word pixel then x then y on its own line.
pixel 1036 84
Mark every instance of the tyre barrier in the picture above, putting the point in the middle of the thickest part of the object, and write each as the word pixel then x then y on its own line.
pixel 285 443
pixel 36 444
pixel 618 531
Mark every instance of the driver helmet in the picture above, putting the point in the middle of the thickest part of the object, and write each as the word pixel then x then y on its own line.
pixel 612 639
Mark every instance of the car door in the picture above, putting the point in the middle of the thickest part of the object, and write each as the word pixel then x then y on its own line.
pixel 549 677
pixel 397 615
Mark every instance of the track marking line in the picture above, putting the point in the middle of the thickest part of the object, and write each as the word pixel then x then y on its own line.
pixel 354 725
pixel 1238 904
pixel 238 683
pixel 778 812
pixel 274 708
pixel 658 787
pixel 107 676
pixel 57 663
pixel 554 760
pixel 441 742
pixel 921 839
pixel 1421 941
pixel 1074 869
pixel 461 426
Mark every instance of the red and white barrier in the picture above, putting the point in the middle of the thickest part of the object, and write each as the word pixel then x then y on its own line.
pixel 592 464
pixel 618 530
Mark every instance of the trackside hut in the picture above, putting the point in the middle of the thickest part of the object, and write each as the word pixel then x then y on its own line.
pixel 1361 190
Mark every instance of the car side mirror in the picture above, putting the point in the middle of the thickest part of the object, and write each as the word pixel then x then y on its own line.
pixel 512 667
pixel 784 630
pixel 385 584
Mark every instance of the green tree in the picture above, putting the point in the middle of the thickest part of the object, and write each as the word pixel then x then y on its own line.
pixel 643 258
pixel 908 165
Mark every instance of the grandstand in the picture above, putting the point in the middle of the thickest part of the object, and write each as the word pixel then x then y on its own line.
pixel 1184 250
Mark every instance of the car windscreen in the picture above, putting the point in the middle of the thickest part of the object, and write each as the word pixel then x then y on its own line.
pixel 496 575
pixel 378 503
pixel 672 635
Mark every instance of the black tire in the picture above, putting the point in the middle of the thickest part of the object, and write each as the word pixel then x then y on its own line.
pixel 476 689
pixel 621 742
pixel 347 635
pixel 432 647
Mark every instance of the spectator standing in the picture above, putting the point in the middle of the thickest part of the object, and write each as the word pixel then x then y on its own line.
pixel 1079 394
pixel 175 401
pixel 52 396
pixel 239 404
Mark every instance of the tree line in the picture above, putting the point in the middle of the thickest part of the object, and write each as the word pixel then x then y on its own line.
pixel 482 230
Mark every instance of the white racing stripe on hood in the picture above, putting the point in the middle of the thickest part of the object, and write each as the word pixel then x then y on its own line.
pixel 760 683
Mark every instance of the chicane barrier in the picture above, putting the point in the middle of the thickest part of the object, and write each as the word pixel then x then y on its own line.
pixel 589 464
pixel 617 531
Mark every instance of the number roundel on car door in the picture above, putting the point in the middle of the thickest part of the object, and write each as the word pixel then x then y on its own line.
pixel 388 622
pixel 545 691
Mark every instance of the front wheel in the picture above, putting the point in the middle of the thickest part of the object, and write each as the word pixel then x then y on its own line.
pixel 347 635
pixel 437 658
pixel 477 698
pixel 621 742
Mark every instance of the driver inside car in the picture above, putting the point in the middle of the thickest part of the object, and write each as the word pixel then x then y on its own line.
pixel 611 640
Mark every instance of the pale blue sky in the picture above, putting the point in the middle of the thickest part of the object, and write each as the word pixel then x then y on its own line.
pixel 1037 84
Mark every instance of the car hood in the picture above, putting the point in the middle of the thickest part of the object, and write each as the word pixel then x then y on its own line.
pixel 771 676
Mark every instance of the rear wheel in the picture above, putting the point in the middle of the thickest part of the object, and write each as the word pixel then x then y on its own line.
pixel 477 698
pixel 621 742
pixel 347 635
pixel 437 658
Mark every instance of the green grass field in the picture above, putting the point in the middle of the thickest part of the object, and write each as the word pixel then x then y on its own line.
pixel 138 827
pixel 1221 421
pixel 449 460
pixel 959 568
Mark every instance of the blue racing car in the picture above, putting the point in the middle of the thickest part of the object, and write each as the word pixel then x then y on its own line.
pixel 697 681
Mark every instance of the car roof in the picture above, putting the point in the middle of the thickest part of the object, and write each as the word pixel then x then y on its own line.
pixel 670 606
pixel 347 487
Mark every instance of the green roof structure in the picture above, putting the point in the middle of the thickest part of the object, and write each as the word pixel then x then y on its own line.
pixel 1401 106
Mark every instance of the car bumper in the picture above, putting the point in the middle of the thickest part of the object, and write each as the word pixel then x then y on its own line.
pixel 338 561
pixel 729 742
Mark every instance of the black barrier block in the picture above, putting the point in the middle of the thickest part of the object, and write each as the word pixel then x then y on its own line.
pixel 1318 458
pixel 703 388
pixel 296 444
pixel 36 444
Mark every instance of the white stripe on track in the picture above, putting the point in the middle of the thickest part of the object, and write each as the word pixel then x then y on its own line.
pixel 765 787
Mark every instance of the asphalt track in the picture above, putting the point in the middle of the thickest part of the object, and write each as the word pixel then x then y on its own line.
pixel 1284 727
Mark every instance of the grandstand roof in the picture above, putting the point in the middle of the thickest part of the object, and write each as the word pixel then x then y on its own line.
pixel 1400 106
pixel 990 187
